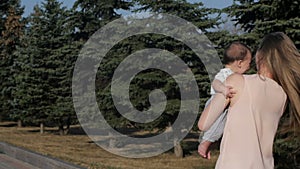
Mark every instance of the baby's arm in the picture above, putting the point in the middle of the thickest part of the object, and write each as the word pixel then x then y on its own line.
pixel 220 87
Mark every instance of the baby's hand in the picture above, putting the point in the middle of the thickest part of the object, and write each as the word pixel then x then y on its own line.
pixel 228 92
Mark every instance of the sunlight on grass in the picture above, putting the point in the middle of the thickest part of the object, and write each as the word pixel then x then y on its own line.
pixel 78 149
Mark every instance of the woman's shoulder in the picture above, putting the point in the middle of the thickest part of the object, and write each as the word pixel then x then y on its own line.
pixel 239 78
pixel 235 78
pixel 261 80
pixel 237 82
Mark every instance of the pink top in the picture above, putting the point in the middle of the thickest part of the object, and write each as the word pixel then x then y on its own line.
pixel 251 125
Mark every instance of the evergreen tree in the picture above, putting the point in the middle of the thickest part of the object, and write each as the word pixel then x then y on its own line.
pixel 90 15
pixel 147 81
pixel 193 12
pixel 11 29
pixel 258 18
pixel 7 5
pixel 46 64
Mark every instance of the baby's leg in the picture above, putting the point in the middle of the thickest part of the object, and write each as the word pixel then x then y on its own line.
pixel 215 132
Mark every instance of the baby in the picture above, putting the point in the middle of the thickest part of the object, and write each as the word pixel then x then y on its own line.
pixel 237 59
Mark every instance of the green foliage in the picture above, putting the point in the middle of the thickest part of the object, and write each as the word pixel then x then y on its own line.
pixel 258 18
pixel 45 64
pixel 7 5
pixel 193 12
pixel 287 152
pixel 11 29
pixel 286 146
pixel 147 81
pixel 90 15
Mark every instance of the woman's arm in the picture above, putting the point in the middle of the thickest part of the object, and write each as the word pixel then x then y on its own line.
pixel 219 102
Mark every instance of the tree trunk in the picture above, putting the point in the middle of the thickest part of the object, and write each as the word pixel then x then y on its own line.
pixel 178 149
pixel 42 128
pixel 67 129
pixel 20 123
pixel 61 130
pixel 112 140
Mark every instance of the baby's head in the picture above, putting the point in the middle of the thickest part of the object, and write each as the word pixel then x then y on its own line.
pixel 237 57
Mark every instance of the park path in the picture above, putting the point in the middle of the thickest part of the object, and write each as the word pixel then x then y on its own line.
pixel 7 162
pixel 12 157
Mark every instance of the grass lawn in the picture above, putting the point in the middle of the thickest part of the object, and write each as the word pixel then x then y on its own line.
pixel 78 149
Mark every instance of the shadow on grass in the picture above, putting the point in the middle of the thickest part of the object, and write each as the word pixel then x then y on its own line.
pixel 74 130
pixel 8 124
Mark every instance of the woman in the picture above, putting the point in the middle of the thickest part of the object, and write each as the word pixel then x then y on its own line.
pixel 255 110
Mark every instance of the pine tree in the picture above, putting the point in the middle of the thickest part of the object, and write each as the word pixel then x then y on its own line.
pixel 258 18
pixel 46 62
pixel 147 81
pixel 11 29
pixel 90 15
pixel 5 6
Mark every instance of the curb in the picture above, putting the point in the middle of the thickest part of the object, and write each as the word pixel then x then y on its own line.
pixel 35 159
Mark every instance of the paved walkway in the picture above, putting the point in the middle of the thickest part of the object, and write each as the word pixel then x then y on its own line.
pixel 7 162
pixel 12 157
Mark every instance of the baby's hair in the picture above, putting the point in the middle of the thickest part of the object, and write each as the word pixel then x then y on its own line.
pixel 235 51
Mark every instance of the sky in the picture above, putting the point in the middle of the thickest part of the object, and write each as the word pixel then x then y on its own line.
pixel 29 4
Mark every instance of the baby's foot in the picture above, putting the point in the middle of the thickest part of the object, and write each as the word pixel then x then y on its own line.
pixel 203 149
